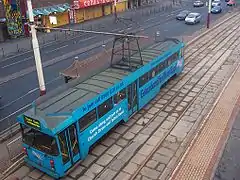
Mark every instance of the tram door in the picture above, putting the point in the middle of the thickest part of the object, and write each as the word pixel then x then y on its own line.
pixel 69 148
pixel 132 98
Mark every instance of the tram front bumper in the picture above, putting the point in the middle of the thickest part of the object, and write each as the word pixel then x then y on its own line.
pixel 41 168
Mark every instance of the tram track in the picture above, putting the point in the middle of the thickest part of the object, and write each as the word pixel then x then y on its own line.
pixel 187 62
pixel 155 116
pixel 170 100
pixel 14 126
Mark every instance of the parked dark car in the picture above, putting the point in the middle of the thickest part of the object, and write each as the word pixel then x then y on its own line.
pixel 226 0
pixel 216 9
pixel 198 4
pixel 182 15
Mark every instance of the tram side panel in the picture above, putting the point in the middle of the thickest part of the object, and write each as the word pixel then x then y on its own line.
pixel 102 126
pixel 152 86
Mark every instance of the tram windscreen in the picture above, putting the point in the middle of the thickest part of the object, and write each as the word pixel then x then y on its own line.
pixel 39 141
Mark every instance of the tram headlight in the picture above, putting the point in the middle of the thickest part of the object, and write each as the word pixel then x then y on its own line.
pixel 25 151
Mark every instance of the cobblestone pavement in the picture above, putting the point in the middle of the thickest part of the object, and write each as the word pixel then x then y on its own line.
pixel 150 144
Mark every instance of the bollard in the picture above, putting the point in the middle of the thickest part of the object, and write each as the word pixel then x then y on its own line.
pixel 17 48
pixel 3 54
pixel 43 39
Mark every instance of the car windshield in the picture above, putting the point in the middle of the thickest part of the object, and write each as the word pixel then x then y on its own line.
pixel 39 141
pixel 197 1
pixel 191 16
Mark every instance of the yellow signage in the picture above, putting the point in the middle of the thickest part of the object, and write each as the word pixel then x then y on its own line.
pixel 32 122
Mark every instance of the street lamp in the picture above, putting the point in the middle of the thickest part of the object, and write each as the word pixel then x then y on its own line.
pixel 36 51
pixel 209 12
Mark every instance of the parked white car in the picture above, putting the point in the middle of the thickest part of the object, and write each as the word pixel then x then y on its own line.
pixel 193 18
pixel 216 3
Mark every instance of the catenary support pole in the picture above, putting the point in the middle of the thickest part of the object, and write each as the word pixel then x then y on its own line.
pixel 36 50
pixel 209 12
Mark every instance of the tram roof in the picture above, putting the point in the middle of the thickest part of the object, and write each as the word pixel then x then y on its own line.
pixel 82 92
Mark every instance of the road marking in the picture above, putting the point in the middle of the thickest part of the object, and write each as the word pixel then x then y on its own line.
pixel 48 44
pixel 15 112
pixel 89 38
pixel 21 97
pixel 56 49
pixel 150 19
pixel 17 62
pixel 45 53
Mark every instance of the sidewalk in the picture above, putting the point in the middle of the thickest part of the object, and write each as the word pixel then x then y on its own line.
pixel 202 156
pixel 22 45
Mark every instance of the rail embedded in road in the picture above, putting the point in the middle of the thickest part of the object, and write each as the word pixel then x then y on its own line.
pixel 184 100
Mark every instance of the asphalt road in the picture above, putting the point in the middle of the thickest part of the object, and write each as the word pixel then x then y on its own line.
pixel 229 165
pixel 18 93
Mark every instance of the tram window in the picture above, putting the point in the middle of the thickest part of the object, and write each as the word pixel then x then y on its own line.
pixel 160 67
pixel 176 56
pixel 119 96
pixel 63 146
pixel 74 140
pixel 143 79
pixel 39 141
pixel 105 107
pixel 169 60
pixel 87 120
pixel 152 73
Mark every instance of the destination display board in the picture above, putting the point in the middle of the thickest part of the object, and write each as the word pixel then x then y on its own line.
pixel 32 122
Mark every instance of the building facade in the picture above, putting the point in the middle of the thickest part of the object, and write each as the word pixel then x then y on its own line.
pixel 13 18
pixel 89 9
pixel 55 13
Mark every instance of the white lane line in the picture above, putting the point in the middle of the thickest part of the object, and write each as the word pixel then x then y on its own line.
pixel 19 98
pixel 28 93
pixel 17 62
pixel 56 49
pixel 150 19
pixel 89 38
pixel 10 115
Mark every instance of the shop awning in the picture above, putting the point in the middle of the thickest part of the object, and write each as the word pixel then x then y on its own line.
pixel 50 9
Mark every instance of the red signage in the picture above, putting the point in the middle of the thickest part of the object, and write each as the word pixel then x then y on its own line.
pixel 87 3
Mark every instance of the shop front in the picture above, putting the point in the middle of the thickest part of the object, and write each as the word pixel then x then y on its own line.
pixel 121 5
pixel 52 16
pixel 90 9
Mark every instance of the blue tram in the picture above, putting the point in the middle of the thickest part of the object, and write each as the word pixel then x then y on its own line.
pixel 59 131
